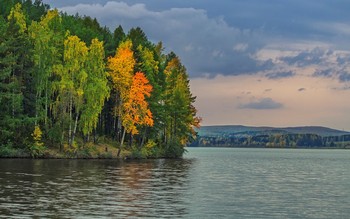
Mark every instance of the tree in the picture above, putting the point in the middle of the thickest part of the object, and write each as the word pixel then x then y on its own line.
pixel 96 89
pixel 9 100
pixel 121 68
pixel 180 113
pixel 45 55
pixel 118 36
pixel 70 86
pixel 17 15
pixel 14 70
pixel 151 68
pixel 138 37
pixel 55 83
pixel 135 110
pixel 121 71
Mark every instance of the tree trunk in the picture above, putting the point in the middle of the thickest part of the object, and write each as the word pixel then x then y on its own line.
pixel 95 137
pixel 46 103
pixel 70 122
pixel 121 143
pixel 115 126
pixel 165 136
pixel 61 143
pixel 143 138
pixel 75 128
pixel 131 140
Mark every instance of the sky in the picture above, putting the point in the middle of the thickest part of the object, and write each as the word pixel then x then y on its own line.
pixel 251 62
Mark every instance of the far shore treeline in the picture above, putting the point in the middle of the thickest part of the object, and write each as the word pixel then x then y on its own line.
pixel 70 87
pixel 270 137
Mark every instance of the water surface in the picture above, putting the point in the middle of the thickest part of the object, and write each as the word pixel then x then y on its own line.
pixel 207 183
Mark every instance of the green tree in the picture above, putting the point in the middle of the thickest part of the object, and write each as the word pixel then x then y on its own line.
pixel 70 86
pixel 151 67
pixel 46 55
pixel 180 113
pixel 96 89
pixel 15 68
pixel 10 101
pixel 118 36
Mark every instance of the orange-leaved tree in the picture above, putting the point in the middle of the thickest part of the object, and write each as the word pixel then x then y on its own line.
pixel 135 110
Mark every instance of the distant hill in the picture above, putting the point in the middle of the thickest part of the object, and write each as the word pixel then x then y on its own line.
pixel 253 131
pixel 271 137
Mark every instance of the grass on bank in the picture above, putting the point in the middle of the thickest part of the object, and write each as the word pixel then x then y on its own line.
pixel 104 149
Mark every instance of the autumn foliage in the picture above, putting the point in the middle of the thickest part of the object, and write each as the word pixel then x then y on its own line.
pixel 70 81
pixel 135 109
pixel 121 68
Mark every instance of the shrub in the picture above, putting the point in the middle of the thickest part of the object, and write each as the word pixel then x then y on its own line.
pixel 37 149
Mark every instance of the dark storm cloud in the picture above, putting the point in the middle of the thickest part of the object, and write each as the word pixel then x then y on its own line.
pixel 207 46
pixel 263 104
pixel 223 38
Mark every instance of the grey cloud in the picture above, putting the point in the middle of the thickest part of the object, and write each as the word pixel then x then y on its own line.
pixel 305 58
pixel 328 63
pixel 341 60
pixel 262 104
pixel 323 73
pixel 223 38
pixel 279 75
pixel 207 46
pixel 344 76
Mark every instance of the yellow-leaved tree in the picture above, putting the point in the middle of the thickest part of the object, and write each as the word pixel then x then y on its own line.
pixel 69 88
pixel 16 15
pixel 121 70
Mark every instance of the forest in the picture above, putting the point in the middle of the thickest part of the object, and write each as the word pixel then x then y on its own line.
pixel 70 87
pixel 277 140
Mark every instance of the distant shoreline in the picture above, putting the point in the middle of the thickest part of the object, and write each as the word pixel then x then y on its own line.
pixel 326 148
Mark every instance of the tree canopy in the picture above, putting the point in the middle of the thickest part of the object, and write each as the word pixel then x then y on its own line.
pixel 67 81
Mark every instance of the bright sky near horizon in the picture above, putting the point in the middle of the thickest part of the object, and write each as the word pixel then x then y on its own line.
pixel 251 62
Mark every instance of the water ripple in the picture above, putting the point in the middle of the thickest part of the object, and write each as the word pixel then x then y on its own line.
pixel 208 183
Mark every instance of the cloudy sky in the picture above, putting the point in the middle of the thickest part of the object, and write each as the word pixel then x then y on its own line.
pixel 251 62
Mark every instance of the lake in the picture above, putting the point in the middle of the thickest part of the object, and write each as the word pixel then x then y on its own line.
pixel 207 183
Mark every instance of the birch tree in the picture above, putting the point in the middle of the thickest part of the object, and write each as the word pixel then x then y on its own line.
pixel 96 89
pixel 70 86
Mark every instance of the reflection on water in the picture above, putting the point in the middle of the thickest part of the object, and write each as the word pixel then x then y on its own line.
pixel 94 188
pixel 207 183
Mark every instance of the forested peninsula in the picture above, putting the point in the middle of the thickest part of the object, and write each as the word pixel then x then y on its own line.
pixel 71 88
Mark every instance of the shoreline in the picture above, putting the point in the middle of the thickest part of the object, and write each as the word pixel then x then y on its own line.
pixel 296 148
